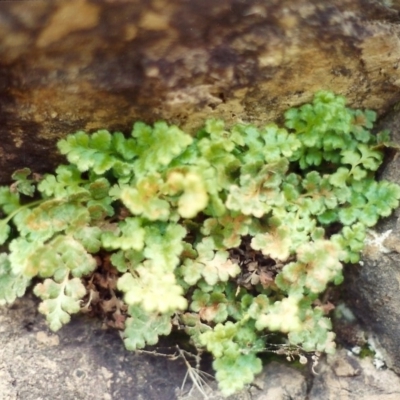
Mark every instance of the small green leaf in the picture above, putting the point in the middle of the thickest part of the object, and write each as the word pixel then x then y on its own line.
pixel 144 199
pixel 275 243
pixel 4 231
pixel 214 266
pixel 58 256
pixel 60 299
pixel 349 215
pixel 100 140
pixel 89 236
pixel 99 188
pixel 55 216
pixel 227 231
pixel 384 196
pixel 315 334
pixel 89 152
pixel 367 158
pixel 246 199
pixel 157 146
pixel 234 373
pixel 66 182
pixel 164 245
pixel 351 240
pixel 283 316
pixel 22 183
pixel 278 143
pixel 340 177
pixel 153 292
pixel 220 340
pixel 9 201
pixel 259 188
pixel 143 328
pixel 127 234
pixel 11 285
pixel 126 148
pixel 126 260
pixel 192 192
pixel 194 327
pixel 211 307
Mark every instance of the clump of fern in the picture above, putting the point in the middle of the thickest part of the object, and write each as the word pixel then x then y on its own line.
pixel 169 210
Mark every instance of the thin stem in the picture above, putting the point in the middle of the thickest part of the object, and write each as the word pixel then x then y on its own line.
pixel 15 212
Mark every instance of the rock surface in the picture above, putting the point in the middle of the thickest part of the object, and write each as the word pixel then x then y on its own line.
pixel 84 362
pixel 373 289
pixel 81 362
pixel 87 64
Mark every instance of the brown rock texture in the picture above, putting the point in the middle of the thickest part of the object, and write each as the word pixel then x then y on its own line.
pixel 86 64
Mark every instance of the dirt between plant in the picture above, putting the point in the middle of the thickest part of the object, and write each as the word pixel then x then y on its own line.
pixel 85 362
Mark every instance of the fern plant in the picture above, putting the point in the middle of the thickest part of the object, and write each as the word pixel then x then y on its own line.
pixel 230 234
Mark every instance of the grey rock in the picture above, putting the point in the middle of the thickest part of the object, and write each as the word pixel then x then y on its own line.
pixel 373 288
pixel 82 361
pixel 347 377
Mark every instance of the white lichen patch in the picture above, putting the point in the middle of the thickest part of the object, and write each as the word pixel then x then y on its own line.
pixel 375 243
pixel 378 361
